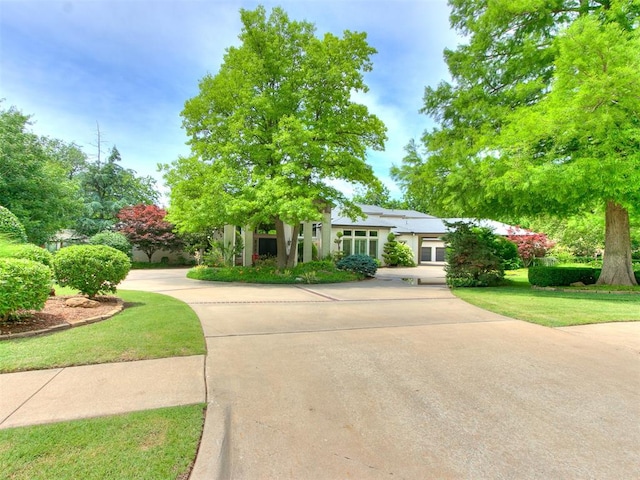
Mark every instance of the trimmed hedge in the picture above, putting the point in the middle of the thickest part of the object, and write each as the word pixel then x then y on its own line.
pixel 24 285
pixel 561 276
pixel 92 269
pixel 361 264
pixel 11 227
pixel 28 251
pixel 565 276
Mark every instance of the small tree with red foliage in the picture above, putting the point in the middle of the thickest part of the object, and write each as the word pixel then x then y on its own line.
pixel 145 227
pixel 531 245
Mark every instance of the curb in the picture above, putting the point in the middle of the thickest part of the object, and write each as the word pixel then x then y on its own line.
pixel 65 326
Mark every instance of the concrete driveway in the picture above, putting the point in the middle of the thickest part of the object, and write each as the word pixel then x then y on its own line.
pixel 391 379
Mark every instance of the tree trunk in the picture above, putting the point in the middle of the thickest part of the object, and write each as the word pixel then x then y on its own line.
pixel 617 268
pixel 287 252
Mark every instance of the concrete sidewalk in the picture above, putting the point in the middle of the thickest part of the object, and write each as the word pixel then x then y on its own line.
pixel 55 395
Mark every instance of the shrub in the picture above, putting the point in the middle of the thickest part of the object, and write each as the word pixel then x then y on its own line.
pixel 10 226
pixel 472 258
pixel 27 251
pixel 508 253
pixel 361 264
pixel 24 285
pixel 92 269
pixel 561 276
pixel 397 253
pixel 112 239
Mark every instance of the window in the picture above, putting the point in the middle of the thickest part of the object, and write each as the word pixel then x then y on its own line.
pixel 425 254
pixel 360 242
pixel 360 247
pixel 440 254
pixel 346 246
pixel 373 248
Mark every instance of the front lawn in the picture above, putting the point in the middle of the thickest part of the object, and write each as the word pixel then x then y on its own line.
pixel 311 272
pixel 155 444
pixel 516 299
pixel 151 326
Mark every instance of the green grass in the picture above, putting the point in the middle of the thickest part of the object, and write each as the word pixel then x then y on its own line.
pixel 155 444
pixel 152 326
pixel 516 299
pixel 311 272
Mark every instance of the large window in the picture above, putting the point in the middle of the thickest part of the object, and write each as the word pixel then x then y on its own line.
pixel 360 242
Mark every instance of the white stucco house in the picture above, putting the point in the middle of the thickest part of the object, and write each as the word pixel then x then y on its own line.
pixel 365 235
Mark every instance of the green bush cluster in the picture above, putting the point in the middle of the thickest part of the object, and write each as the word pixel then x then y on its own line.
pixel 361 264
pixel 10 226
pixel 24 285
pixel 561 276
pixel 92 269
pixel 266 272
pixel 25 277
pixel 112 239
pixel 397 254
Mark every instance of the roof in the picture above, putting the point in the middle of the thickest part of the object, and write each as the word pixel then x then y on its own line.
pixel 413 222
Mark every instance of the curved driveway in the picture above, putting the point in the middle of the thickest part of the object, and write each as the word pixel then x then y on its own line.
pixel 391 379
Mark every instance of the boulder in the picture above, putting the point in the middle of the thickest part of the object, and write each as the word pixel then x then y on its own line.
pixel 577 284
pixel 81 302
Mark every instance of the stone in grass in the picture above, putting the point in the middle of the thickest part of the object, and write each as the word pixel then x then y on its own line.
pixel 81 302
pixel 577 284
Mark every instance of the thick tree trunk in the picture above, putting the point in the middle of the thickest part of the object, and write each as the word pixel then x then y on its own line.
pixel 287 252
pixel 617 268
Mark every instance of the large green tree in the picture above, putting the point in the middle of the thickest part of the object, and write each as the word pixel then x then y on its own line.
pixel 273 128
pixel 542 116
pixel 107 187
pixel 33 183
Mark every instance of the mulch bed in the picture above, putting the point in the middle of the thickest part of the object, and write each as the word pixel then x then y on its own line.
pixel 55 313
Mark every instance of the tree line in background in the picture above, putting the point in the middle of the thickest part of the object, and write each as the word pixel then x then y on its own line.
pixel 51 185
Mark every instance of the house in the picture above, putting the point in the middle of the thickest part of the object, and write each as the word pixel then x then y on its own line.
pixel 421 232
pixel 365 235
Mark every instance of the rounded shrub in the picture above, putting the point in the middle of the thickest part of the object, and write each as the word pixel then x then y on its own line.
pixel 28 251
pixel 92 269
pixel 10 226
pixel 24 285
pixel 112 239
pixel 397 254
pixel 361 264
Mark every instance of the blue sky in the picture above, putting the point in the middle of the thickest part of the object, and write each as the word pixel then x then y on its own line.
pixel 130 65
